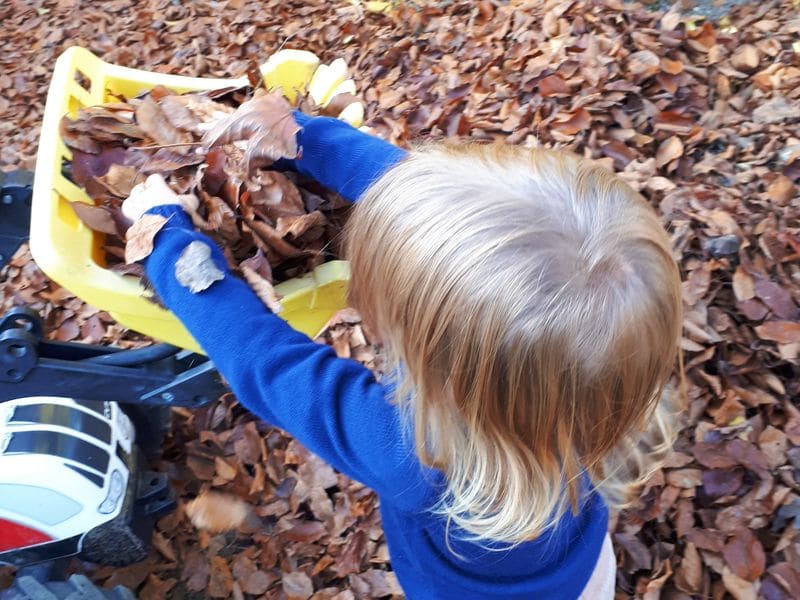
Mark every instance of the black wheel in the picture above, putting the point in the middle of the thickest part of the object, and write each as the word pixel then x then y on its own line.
pixel 77 587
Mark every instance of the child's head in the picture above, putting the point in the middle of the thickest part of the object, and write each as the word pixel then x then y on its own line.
pixel 533 301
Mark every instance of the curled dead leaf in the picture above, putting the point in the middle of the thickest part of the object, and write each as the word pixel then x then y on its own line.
pixel 217 512
pixel 643 63
pixel 263 289
pixel 669 150
pixel 744 286
pixel 96 218
pixel 151 118
pixel 297 585
pixel 140 237
pixel 783 332
pixel 195 269
pixel 746 58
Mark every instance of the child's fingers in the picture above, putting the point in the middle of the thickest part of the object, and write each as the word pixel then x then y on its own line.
pixel 189 202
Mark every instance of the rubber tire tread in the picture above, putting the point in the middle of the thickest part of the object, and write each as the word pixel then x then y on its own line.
pixel 78 587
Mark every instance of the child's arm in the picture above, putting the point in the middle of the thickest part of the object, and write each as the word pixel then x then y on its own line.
pixel 335 407
pixel 340 156
pixel 331 151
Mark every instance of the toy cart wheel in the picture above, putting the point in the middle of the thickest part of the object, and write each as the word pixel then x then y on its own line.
pixel 76 587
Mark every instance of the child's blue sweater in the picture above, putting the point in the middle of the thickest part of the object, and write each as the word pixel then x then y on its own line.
pixel 336 408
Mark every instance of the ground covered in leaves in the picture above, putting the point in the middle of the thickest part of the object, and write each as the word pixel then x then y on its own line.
pixel 703 118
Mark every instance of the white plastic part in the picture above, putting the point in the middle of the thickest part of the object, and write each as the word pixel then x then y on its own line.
pixel 326 79
pixel 58 474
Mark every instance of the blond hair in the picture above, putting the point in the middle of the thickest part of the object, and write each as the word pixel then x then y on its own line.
pixel 532 304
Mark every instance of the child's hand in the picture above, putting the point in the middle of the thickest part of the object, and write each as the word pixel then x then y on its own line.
pixel 155 192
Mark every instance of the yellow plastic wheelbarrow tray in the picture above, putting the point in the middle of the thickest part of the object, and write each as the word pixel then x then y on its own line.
pixel 71 253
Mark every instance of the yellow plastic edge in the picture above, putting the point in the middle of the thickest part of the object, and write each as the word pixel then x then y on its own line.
pixel 68 252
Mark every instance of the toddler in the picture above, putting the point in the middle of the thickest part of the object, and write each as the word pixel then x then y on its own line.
pixel 531 306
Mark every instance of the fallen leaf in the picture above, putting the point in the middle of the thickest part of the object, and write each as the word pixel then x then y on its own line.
pixel 216 512
pixel 781 190
pixel 141 236
pixel 297 585
pixel 350 560
pixel 643 64
pixel 783 332
pixel 258 583
pixel 739 588
pixel 220 583
pixel 267 122
pixel 97 218
pixel 745 556
pixel 68 330
pixel 120 179
pixel 154 123
pixel 746 58
pixel 669 150
pixel 195 269
pixel 93 331
pixel 778 299
pixel 638 552
pixel 743 284
pixel 263 289
pixel 306 531
pixel 689 576
pixel 553 85
pixel 195 572
pixel 570 124
pixel 776 110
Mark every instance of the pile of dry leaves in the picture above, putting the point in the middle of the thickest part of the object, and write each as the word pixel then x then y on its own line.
pixel 703 118
pixel 265 221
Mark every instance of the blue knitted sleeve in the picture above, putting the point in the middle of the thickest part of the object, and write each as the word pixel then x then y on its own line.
pixel 340 156
pixel 334 406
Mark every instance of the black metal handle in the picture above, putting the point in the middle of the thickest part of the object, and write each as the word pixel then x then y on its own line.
pixel 16 189
pixel 160 375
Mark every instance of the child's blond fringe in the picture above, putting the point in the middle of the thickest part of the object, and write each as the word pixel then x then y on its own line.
pixel 533 306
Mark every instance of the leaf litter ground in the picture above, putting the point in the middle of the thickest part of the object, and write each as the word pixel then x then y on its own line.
pixel 703 118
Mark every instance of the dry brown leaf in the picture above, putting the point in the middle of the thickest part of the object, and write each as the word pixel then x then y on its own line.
pixel 781 190
pixel 195 268
pixel 669 150
pixel 154 123
pixel 308 225
pixel 297 586
pixel 263 289
pixel 220 583
pixel 778 299
pixel 140 237
pixel 267 123
pixel 67 331
pixel 258 263
pixel 258 583
pixel 744 555
pixel 776 110
pixel 744 286
pixel 783 332
pixel 553 85
pixel 167 160
pixel 350 560
pixel 673 67
pixel 195 571
pixel 120 180
pixel 739 588
pixel 643 63
pixel 97 218
pixel 570 124
pixel 216 512
pixel 746 58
